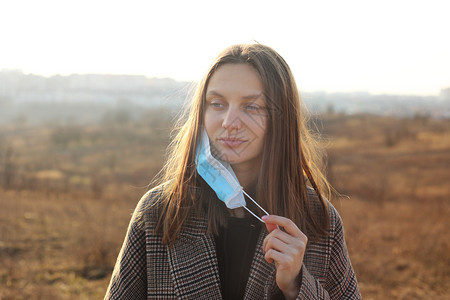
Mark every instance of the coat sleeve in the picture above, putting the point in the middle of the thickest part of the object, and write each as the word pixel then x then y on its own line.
pixel 129 278
pixel 341 280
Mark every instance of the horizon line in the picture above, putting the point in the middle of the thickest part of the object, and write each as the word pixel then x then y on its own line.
pixel 187 81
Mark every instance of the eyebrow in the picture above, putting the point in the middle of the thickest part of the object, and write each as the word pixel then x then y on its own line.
pixel 247 97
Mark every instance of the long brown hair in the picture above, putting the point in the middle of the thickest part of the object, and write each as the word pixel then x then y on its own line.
pixel 291 157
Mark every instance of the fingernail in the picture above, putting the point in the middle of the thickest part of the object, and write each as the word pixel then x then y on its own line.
pixel 264 217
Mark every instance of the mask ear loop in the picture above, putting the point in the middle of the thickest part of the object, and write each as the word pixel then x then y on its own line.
pixel 256 205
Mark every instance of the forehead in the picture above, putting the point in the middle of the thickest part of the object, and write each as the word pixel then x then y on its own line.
pixel 235 78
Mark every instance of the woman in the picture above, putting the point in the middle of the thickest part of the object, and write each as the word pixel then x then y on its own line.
pixel 184 242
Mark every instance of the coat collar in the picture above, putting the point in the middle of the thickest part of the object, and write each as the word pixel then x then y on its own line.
pixel 194 267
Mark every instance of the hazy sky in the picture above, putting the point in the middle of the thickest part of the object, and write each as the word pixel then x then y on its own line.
pixel 383 46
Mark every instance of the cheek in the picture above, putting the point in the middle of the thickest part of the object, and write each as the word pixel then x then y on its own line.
pixel 207 119
pixel 262 132
pixel 257 122
pixel 211 123
pixel 260 128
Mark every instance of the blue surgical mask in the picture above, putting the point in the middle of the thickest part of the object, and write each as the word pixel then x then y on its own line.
pixel 220 177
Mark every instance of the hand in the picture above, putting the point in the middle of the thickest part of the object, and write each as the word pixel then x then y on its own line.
pixel 285 248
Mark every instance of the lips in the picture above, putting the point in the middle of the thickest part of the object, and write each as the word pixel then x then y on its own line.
pixel 231 142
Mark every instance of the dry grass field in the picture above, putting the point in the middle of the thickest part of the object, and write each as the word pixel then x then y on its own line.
pixel 67 194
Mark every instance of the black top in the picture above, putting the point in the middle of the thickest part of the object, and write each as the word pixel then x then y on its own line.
pixel 235 247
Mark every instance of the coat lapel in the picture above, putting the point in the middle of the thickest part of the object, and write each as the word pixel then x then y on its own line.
pixel 261 279
pixel 193 263
pixel 195 271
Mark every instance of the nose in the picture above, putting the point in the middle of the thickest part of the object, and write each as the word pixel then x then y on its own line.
pixel 231 120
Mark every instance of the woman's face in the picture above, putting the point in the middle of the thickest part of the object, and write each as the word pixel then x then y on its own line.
pixel 235 115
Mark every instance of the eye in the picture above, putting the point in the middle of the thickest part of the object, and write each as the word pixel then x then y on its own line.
pixel 254 108
pixel 215 104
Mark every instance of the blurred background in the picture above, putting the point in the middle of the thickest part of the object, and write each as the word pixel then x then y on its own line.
pixel 89 91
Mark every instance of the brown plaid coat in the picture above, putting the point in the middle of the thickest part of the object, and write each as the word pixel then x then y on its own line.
pixel 147 269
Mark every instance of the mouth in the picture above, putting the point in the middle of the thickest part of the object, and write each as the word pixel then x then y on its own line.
pixel 231 142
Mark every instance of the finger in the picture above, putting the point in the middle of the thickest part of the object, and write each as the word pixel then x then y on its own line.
pixel 279 258
pixel 283 236
pixel 286 223
pixel 294 249
pixel 274 243
pixel 270 227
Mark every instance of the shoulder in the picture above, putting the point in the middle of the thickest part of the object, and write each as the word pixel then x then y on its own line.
pixel 323 210
pixel 152 197
pixel 149 206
